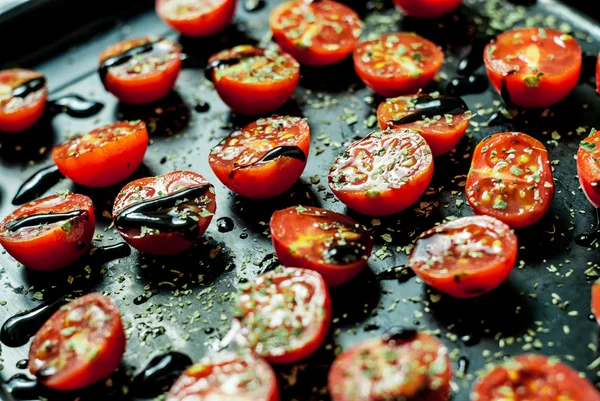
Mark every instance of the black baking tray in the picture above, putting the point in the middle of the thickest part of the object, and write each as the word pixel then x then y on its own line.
pixel 543 307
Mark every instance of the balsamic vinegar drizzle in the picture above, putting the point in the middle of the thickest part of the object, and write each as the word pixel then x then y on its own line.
pixel 427 106
pixel 400 273
pixel 588 69
pixel 124 57
pixel 342 254
pixel 202 106
pixel 589 239
pixel 471 61
pixel 159 374
pixel 225 224
pixel 75 106
pixel 107 253
pixel 21 387
pixel 29 87
pixel 37 184
pixel 293 152
pixel 254 5
pixel 228 62
pixel 467 85
pixel 22 364
pixel 399 334
pixel 39 219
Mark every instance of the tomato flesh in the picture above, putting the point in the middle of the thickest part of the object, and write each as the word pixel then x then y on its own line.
pixel 316 33
pixel 318 239
pixel 408 366
pixel 17 113
pixel 283 315
pixel 596 300
pixel 397 63
pixel 588 167
pixel 54 244
pixel 239 160
pixel 81 344
pixel 466 257
pixel 383 173
pixel 510 179
pixel 538 67
pixel 196 18
pixel 427 8
pixel 104 156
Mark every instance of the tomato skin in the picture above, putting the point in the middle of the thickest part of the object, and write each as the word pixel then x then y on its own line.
pixel 110 345
pixel 255 319
pixel 22 115
pixel 551 87
pixel 522 378
pixel 443 256
pixel 147 87
pixel 427 9
pixel 54 247
pixel 588 168
pixel 264 179
pixel 204 24
pixel 596 300
pixel 319 52
pixel 297 226
pixel 110 154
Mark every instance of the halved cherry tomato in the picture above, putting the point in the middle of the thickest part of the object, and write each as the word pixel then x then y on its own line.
pixel 23 96
pixel 383 173
pixel 532 377
pixel 140 71
pixel 283 315
pixel 104 156
pixel 316 33
pixel 196 17
pixel 227 376
pixel 318 239
pixel 537 66
pixel 81 344
pixel 264 159
pixel 596 300
pixel 397 63
pixel 588 167
pixel 51 232
pixel 510 179
pixel 405 365
pixel 164 215
pixel 251 80
pixel 466 257
pixel 442 130
pixel 427 8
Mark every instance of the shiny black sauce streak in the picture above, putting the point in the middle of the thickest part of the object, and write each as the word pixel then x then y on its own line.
pixel 471 61
pixel 400 273
pixel 225 224
pixel 159 374
pixel 254 5
pixel 37 184
pixel 107 253
pixel 588 69
pixel 470 339
pixel 428 107
pixel 342 254
pixel 22 364
pixel 228 62
pixel 467 85
pixel 124 57
pixel 399 335
pixel 39 219
pixel 29 87
pixel 293 152
pixel 75 106
pixel 202 107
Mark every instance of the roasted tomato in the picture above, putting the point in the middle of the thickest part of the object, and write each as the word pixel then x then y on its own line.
pixel 404 365
pixel 196 17
pixel 442 121
pixel 316 33
pixel 533 378
pixel 51 232
pixel 466 257
pixel 397 63
pixel 80 344
pixel 383 173
pixel 596 300
pixel 533 67
pixel 227 376
pixel 104 156
pixel 318 239
pixel 588 167
pixel 164 215
pixel 264 159
pixel 251 80
pixel 510 179
pixel 140 71
pixel 283 315
pixel 23 96
pixel 427 8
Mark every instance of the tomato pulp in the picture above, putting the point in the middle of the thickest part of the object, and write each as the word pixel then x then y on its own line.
pixel 533 67
pixel 196 18
pixel 588 167
pixel 23 96
pixel 49 233
pixel 264 159
pixel 427 8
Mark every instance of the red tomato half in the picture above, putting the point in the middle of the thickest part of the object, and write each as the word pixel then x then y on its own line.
pixel 397 63
pixel 227 376
pixel 196 18
pixel 538 67
pixel 49 233
pixel 510 179
pixel 442 131
pixel 104 156
pixel 316 33
pixel 140 71
pixel 264 159
pixel 284 314
pixel 588 167
pixel 318 239
pixel 533 378
pixel 427 8
pixel 596 300
pixel 81 344
pixel 466 257
pixel 251 80
pixel 408 366
pixel 23 96
pixel 164 215
pixel 383 173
